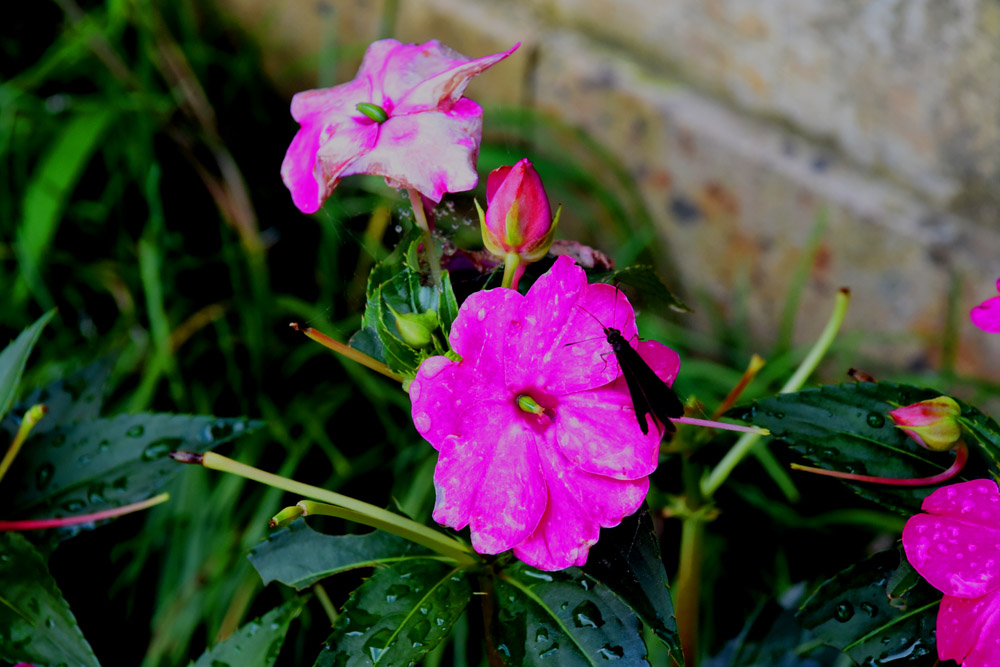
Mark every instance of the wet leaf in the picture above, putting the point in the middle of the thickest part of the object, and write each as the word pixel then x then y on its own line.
pixel 255 644
pixel 36 624
pixel 403 611
pixel 644 279
pixel 867 614
pixel 299 556
pixel 627 560
pixel 13 359
pixel 848 428
pixel 562 618
pixel 105 463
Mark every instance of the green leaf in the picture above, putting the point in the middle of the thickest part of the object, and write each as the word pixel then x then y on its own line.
pixel 299 556
pixel 398 615
pixel 847 428
pixel 105 463
pixel 644 279
pixel 36 624
pixel 857 612
pixel 51 185
pixel 255 644
pixel 13 359
pixel 627 560
pixel 562 618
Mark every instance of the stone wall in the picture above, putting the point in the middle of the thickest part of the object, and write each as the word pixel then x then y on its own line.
pixel 740 122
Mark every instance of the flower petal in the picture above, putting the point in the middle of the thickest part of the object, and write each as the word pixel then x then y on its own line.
pixel 986 315
pixel 956 545
pixel 597 432
pixel 559 345
pixel 432 152
pixel 968 630
pixel 445 73
pixel 579 504
pixel 490 478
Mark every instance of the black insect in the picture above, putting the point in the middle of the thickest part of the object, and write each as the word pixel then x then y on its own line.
pixel 650 395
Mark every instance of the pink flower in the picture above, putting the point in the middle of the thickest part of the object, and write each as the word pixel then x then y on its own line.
pixel 956 547
pixel 986 315
pixel 538 442
pixel 932 423
pixel 518 219
pixel 412 126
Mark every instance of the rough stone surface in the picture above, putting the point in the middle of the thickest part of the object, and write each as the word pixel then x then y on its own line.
pixel 741 122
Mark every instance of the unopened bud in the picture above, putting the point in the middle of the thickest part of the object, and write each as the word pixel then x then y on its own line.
pixel 416 328
pixel 932 423
pixel 285 516
pixel 518 219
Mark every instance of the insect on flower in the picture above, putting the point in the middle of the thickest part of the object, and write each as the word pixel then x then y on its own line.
pixel 650 395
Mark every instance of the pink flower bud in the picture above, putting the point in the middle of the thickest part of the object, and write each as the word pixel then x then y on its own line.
pixel 518 219
pixel 932 423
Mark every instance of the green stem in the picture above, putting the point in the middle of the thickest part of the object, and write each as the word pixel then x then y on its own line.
pixel 746 443
pixel 510 265
pixel 347 351
pixel 431 249
pixel 688 587
pixel 365 513
pixel 31 417
pixel 325 602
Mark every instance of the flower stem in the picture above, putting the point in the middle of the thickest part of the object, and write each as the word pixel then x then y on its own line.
pixel 746 443
pixel 720 425
pixel 512 270
pixel 433 259
pixel 961 457
pixel 39 524
pixel 347 351
pixel 31 417
pixel 756 363
pixel 365 513
pixel 325 602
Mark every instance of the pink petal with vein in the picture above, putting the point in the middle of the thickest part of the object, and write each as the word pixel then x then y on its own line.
pixel 968 631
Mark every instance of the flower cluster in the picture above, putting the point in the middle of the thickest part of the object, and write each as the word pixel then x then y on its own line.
pixel 537 437
pixel 955 545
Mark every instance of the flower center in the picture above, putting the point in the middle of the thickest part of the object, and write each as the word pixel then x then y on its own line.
pixel 373 111
pixel 528 404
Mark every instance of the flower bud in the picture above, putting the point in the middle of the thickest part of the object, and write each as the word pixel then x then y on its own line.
pixel 932 423
pixel 416 328
pixel 518 219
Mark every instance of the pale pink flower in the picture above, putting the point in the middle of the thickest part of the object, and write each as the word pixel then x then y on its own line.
pixel 540 482
pixel 956 547
pixel 986 315
pixel 428 140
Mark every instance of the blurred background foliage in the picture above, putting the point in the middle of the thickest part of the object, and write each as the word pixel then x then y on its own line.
pixel 140 195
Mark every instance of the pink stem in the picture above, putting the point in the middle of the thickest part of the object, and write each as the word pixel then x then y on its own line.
pixel 961 456
pixel 720 425
pixel 39 524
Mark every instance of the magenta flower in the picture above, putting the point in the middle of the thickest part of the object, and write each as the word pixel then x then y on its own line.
pixel 403 117
pixel 538 442
pixel 932 423
pixel 986 315
pixel 518 219
pixel 956 547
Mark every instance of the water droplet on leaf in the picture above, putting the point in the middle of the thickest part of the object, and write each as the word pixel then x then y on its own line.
pixel 875 420
pixel 843 612
pixel 136 431
pixel 44 475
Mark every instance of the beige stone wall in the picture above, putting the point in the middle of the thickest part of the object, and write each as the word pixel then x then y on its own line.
pixel 740 121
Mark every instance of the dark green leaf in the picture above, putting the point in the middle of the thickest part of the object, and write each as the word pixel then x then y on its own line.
pixel 847 428
pixel 562 618
pixel 74 398
pixel 856 612
pixel 255 644
pixel 105 463
pixel 299 556
pixel 398 615
pixel 14 357
pixel 627 560
pixel 644 279
pixel 36 624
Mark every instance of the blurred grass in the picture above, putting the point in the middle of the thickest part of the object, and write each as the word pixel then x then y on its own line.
pixel 140 195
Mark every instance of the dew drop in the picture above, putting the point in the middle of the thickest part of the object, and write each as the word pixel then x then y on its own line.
pixel 869 609
pixel 843 612
pixel 587 615
pixel 136 431
pixel 160 448
pixel 44 475
pixel 875 420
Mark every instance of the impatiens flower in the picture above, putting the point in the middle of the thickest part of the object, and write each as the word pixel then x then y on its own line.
pixel 986 315
pixel 403 117
pixel 518 219
pixel 932 423
pixel 537 438
pixel 956 547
